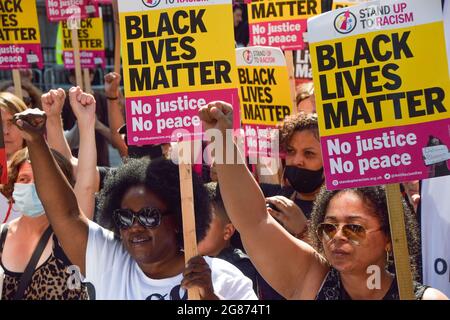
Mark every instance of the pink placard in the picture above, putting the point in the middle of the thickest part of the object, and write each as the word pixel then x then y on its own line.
pixel 389 155
pixel 88 59
pixel 170 117
pixel 63 10
pixel 287 35
pixel 15 56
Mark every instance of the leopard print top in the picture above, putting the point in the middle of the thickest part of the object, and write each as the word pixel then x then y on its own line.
pixel 50 281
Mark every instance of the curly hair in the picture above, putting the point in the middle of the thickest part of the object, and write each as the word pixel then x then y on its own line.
pixel 20 157
pixel 161 177
pixel 297 122
pixel 375 199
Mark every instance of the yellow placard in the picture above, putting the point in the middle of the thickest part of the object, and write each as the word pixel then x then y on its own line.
pixel 177 50
pixel 264 95
pixel 90 35
pixel 342 4
pixel 381 79
pixel 271 10
pixel 19 23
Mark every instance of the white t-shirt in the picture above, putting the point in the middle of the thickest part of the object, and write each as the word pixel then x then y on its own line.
pixel 116 275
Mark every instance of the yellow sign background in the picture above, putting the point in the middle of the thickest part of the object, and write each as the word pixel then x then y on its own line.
pixel 280 93
pixel 96 32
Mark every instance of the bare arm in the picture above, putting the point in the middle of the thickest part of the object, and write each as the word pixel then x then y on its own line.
pixel 115 116
pixel 52 104
pixel 83 106
pixel 282 260
pixel 55 193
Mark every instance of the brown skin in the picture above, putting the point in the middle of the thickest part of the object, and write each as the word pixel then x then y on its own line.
pixel 158 256
pixel 71 226
pixel 156 250
pixel 217 237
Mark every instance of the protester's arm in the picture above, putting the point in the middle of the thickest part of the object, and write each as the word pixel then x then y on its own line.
pixel 83 106
pixel 433 294
pixel 290 266
pixel 115 117
pixel 103 130
pixel 288 214
pixel 55 193
pixel 52 104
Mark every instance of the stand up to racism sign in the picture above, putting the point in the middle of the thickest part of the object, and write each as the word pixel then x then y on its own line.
pixel 177 56
pixel 382 83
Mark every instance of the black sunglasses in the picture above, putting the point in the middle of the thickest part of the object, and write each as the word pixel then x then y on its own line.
pixel 355 233
pixel 147 217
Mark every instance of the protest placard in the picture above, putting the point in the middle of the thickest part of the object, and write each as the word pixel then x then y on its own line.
pixel 20 42
pixel 60 10
pixel 3 160
pixel 176 58
pixel 264 93
pixel 381 82
pixel 91 44
pixel 280 23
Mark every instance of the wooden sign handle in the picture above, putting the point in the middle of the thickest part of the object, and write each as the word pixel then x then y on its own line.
pixel 399 242
pixel 17 83
pixel 187 206
pixel 87 81
pixel 290 67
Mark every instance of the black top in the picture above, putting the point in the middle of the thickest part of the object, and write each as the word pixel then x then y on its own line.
pixel 332 289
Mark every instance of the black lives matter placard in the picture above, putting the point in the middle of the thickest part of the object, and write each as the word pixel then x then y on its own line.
pixel 177 56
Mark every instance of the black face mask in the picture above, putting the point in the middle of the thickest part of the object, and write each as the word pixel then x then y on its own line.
pixel 303 180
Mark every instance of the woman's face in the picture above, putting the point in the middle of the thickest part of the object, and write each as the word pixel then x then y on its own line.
pixel 148 245
pixel 304 151
pixel 25 175
pixel 344 255
pixel 25 96
pixel 12 136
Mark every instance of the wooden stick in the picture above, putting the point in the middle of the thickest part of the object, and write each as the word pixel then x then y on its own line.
pixel 17 83
pixel 76 56
pixel 117 36
pixel 87 81
pixel 399 242
pixel 187 206
pixel 291 73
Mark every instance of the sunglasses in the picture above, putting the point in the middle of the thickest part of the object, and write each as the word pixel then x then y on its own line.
pixel 147 217
pixel 355 233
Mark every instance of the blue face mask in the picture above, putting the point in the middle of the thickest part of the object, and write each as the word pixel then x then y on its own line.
pixel 26 200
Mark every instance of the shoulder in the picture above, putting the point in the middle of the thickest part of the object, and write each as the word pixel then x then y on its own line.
pixel 433 294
